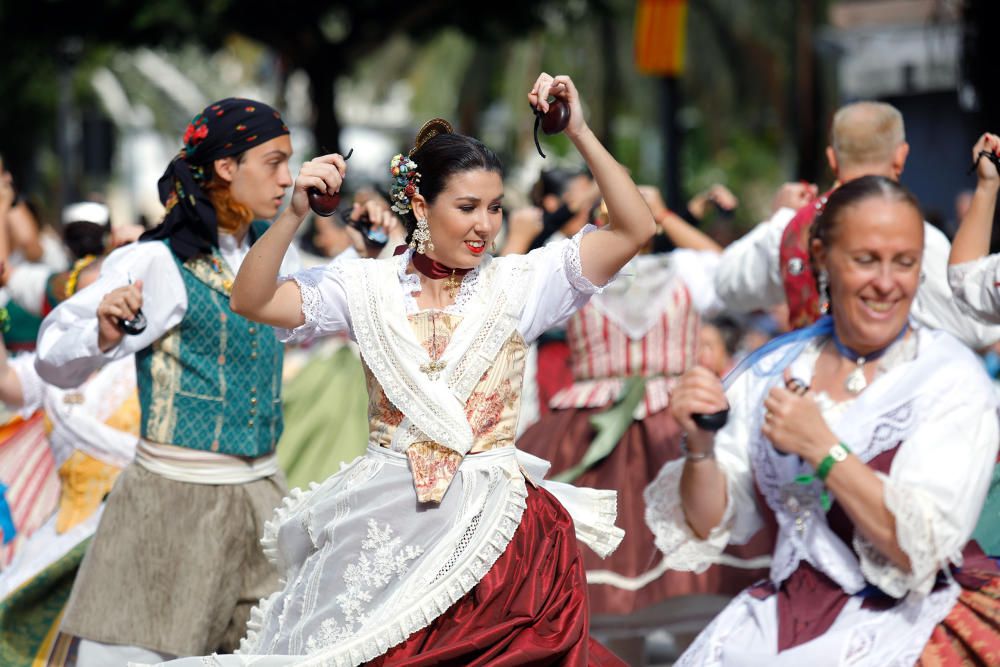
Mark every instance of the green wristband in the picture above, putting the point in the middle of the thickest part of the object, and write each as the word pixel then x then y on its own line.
pixel 837 454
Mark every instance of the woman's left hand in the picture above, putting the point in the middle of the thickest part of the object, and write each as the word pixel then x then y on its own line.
pixel 561 87
pixel 794 424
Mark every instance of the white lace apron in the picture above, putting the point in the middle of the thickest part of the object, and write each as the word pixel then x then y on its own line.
pixel 364 564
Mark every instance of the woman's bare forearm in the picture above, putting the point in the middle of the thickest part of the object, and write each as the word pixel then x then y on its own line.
pixel 256 294
pixel 862 495
pixel 631 223
pixel 703 495
pixel 972 240
pixel 684 235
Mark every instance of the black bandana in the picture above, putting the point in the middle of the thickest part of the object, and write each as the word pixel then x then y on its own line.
pixel 224 129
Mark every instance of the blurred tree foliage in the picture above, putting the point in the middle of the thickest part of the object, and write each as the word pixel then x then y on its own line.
pixel 742 91
pixel 325 39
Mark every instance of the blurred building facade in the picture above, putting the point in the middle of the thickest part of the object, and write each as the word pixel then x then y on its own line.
pixel 909 53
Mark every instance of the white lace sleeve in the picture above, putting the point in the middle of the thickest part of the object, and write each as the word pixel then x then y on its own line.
pixel 324 303
pixel 938 306
pixel 974 285
pixel 937 484
pixel 32 386
pixel 681 548
pixel 741 519
pixel 570 249
pixel 557 286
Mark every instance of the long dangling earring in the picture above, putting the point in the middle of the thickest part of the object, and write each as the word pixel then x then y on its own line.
pixel 421 239
pixel 823 285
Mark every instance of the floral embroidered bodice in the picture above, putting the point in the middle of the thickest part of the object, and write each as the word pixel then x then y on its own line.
pixel 492 408
pixel 445 383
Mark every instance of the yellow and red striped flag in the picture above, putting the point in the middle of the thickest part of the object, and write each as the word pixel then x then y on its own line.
pixel 660 27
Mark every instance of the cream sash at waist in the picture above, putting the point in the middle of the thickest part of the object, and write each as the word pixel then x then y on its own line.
pixel 593 511
pixel 195 466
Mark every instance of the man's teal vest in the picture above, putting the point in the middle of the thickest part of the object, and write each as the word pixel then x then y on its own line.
pixel 213 382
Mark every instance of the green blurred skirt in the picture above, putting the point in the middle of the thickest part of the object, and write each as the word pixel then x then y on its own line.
pixel 326 417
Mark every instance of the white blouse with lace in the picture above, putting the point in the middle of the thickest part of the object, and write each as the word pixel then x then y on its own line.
pixel 556 289
pixel 932 399
pixel 976 286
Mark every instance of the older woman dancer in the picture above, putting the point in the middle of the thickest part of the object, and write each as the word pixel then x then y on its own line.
pixel 868 441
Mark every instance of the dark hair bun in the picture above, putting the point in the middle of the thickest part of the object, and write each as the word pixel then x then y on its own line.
pixel 431 129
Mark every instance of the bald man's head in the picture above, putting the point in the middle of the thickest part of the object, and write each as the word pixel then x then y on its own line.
pixel 867 138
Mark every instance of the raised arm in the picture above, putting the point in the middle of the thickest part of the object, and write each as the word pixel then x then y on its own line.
pixel 605 252
pixel 677 229
pixel 972 240
pixel 256 294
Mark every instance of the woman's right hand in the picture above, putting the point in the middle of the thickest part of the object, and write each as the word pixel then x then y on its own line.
pixel 794 195
pixel 699 391
pixel 117 305
pixel 325 173
pixel 562 88
pixel 985 169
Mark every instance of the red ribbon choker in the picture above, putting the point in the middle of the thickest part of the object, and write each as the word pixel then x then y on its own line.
pixel 431 268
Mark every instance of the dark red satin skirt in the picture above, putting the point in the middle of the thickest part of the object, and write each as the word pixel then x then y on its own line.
pixel 562 436
pixel 529 609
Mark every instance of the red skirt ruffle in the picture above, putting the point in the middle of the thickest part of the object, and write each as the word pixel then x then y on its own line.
pixel 562 437
pixel 970 633
pixel 529 609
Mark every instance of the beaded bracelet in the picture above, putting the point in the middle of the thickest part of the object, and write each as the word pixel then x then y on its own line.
pixel 695 456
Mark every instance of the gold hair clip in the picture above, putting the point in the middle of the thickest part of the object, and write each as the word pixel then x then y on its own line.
pixel 430 129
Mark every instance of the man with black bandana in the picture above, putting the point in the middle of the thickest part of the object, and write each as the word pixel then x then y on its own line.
pixel 176 566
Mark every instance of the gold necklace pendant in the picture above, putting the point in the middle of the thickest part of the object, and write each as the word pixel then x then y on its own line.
pixel 856 382
pixel 453 284
pixel 433 369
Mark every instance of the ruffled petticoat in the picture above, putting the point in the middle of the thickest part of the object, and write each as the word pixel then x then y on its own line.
pixel 366 566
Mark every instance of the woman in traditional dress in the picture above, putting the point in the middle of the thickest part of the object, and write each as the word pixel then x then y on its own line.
pixel 611 428
pixel 868 441
pixel 92 432
pixel 440 545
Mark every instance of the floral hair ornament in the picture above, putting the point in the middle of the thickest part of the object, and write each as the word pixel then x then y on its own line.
pixel 405 177
pixel 195 133
pixel 405 183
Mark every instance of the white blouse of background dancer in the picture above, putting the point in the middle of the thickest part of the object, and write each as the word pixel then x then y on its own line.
pixel 974 274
